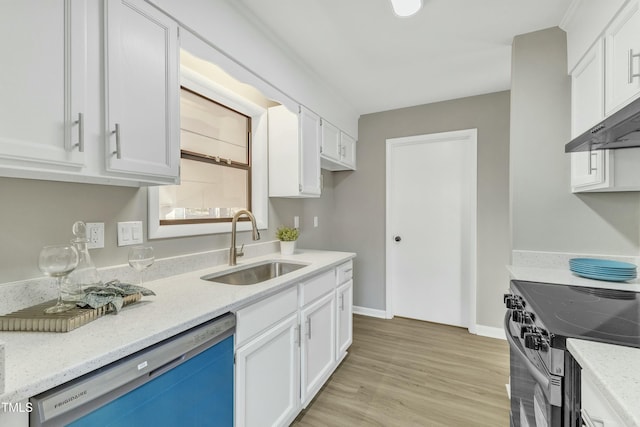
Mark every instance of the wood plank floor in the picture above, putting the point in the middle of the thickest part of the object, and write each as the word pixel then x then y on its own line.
pixel 404 372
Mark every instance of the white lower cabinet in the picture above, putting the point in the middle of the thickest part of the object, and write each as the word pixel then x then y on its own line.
pixel 318 345
pixel 267 377
pixel 344 316
pixel 596 411
pixel 287 347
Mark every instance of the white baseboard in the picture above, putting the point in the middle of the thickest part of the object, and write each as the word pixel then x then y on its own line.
pixel 483 331
pixel 490 331
pixel 371 312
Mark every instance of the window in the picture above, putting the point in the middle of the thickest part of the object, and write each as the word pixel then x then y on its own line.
pixel 215 165
pixel 211 190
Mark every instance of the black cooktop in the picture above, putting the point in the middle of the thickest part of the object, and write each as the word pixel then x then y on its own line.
pixel 595 314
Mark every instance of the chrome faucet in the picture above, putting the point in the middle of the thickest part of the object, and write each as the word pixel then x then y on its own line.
pixel 233 251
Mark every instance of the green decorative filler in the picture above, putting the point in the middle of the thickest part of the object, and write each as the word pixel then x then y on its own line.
pixel 287 234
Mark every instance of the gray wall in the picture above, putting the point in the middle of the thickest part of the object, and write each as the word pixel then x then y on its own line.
pixel 546 216
pixel 360 196
pixel 37 213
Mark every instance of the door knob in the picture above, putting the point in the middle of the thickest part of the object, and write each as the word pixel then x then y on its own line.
pixel 397 238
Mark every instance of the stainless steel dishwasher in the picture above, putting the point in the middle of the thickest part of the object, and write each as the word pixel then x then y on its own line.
pixel 185 380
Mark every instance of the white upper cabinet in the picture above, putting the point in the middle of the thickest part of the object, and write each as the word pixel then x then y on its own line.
pixel 347 151
pixel 587 90
pixel 53 100
pixel 603 80
pixel 338 149
pixel 42 81
pixel 588 168
pixel 142 89
pixel 330 147
pixel 294 153
pixel 622 72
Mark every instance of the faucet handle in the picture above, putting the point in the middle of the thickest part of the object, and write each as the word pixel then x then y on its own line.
pixel 240 252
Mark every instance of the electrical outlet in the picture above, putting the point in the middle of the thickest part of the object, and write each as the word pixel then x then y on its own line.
pixel 129 233
pixel 315 221
pixel 95 234
pixel 296 221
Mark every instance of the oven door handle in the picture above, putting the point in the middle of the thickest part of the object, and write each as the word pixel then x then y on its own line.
pixel 538 376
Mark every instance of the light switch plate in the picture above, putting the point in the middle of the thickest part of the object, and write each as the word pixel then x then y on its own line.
pixel 95 234
pixel 130 233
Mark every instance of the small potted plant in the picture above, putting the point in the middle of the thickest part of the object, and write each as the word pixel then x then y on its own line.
pixel 287 237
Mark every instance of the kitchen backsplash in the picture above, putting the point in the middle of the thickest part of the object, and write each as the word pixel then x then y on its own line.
pixel 558 260
pixel 20 294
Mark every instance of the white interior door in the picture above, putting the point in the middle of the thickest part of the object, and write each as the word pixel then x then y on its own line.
pixel 431 211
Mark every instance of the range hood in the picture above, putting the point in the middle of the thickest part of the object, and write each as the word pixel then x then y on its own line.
pixel 620 130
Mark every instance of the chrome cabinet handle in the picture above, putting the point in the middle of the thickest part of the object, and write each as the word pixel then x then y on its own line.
pixel 592 164
pixel 80 123
pixel 342 302
pixel 118 152
pixel 309 329
pixel 632 75
pixel 343 150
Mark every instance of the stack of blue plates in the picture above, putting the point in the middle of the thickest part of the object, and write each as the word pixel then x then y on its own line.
pixel 603 269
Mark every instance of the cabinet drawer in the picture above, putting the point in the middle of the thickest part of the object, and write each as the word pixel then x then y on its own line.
pixel 257 317
pixel 345 272
pixel 317 286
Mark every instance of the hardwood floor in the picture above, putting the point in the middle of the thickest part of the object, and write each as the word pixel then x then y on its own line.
pixel 404 372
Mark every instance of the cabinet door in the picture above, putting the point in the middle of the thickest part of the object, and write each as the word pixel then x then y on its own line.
pixel 309 152
pixel 590 170
pixel 330 140
pixel 268 377
pixel 142 90
pixel 587 90
pixel 344 325
pixel 348 150
pixel 318 345
pixel 42 81
pixel 623 58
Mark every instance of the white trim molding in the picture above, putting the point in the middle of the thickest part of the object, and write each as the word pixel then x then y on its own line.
pixel 490 332
pixel 469 274
pixel 371 312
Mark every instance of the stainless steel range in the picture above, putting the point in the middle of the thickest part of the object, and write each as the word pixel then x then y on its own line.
pixel 545 380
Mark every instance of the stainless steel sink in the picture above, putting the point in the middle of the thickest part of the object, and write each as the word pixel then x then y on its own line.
pixel 253 274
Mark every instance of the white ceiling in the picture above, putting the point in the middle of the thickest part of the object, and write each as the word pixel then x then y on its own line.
pixel 378 61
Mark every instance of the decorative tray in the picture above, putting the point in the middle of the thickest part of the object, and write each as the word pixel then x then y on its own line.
pixel 34 319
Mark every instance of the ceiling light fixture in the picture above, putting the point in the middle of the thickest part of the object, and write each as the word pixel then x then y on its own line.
pixel 406 7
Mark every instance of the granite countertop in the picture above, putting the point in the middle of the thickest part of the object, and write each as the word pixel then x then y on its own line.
pixel 36 361
pixel 616 371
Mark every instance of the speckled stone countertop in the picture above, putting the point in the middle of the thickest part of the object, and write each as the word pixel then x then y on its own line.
pixel 553 267
pixel 616 371
pixel 566 277
pixel 35 362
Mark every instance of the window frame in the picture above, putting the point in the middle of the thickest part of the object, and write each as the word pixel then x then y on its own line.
pixel 195 82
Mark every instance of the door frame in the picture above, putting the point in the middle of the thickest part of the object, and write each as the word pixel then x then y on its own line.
pixel 471 135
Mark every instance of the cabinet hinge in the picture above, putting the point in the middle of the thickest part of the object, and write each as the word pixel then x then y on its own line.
pixel 300 188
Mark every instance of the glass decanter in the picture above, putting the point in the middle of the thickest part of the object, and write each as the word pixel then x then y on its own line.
pixel 86 274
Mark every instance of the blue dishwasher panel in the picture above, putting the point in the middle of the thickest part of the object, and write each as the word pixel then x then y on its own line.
pixel 197 393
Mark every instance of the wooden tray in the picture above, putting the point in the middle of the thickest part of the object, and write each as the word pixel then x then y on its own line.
pixel 34 319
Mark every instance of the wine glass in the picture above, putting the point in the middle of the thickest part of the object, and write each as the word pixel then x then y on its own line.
pixel 58 261
pixel 141 258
